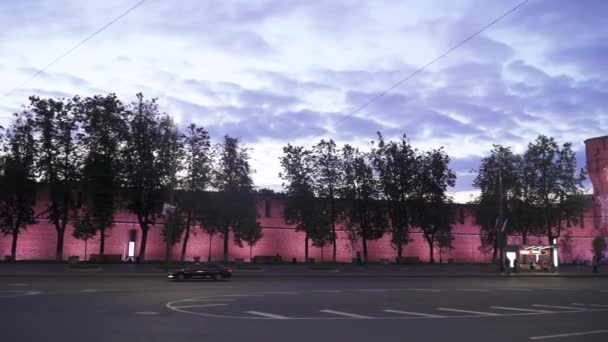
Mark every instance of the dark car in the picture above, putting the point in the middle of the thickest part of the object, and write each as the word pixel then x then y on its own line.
pixel 204 271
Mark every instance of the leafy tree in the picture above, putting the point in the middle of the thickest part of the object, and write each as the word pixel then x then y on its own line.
pixel 300 203
pixel 395 163
pixel 499 182
pixel 173 229
pixel 84 229
pixel 327 179
pixel 104 126
pixel 233 204
pixel 59 159
pixel 443 242
pixel 249 232
pixel 197 167
pixel 556 187
pixel 432 209
pixel 361 190
pixel 149 163
pixel 17 179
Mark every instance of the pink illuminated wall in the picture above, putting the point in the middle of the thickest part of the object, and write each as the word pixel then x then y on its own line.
pixel 597 165
pixel 38 241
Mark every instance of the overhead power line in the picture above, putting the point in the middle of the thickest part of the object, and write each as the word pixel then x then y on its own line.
pixel 82 42
pixel 422 68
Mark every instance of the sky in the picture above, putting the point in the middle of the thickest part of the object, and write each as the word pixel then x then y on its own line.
pixel 278 72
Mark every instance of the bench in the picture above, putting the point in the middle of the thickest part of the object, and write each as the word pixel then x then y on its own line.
pixel 404 260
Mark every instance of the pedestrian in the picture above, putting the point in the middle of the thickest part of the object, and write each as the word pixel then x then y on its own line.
pixel 595 263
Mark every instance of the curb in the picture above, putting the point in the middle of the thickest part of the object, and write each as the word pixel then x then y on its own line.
pixel 299 275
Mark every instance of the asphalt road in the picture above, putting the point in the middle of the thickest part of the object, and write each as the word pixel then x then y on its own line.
pixel 304 309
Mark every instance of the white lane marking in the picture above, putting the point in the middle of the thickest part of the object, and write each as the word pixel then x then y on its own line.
pixel 520 309
pixel 597 305
pixel 346 314
pixel 19 284
pixel 413 313
pixel 209 300
pixel 327 291
pixel 557 289
pixel 147 313
pixel 267 315
pixel 473 290
pixel 427 290
pixel 89 290
pixel 282 292
pixel 593 332
pixel 603 290
pixel 559 307
pixel 199 305
pixel 244 295
pixel 371 290
pixel 481 313
pixel 514 289
pixel 17 293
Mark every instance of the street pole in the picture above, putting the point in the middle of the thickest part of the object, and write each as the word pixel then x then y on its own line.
pixel 170 213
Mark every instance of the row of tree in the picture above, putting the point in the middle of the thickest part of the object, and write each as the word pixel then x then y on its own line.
pixel 133 156
pixel 393 189
pixel 119 155
pixel 537 192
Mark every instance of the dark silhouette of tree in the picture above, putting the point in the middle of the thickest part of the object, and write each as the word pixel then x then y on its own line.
pixel 59 159
pixel 84 229
pixel 197 165
pixel 556 186
pixel 300 207
pixel 233 205
pixel 396 165
pixel 250 232
pixel 104 130
pixel 327 178
pixel 431 207
pixel 17 179
pixel 149 159
pixel 360 191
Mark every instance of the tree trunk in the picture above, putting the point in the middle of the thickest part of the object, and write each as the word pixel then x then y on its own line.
pixel 210 240
pixel 431 250
pixel 59 250
pixel 333 226
pixel 186 237
pixel 14 244
pixel 102 240
pixel 495 250
pixel 85 249
pixel 306 248
pixel 250 252
pixel 144 239
pixel 226 239
pixel 364 249
pixel 399 250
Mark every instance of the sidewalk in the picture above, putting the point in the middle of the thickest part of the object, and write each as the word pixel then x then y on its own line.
pixel 290 270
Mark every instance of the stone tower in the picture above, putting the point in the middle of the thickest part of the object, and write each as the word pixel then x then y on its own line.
pixel 597 165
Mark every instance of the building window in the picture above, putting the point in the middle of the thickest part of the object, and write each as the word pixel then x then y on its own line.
pixel 268 208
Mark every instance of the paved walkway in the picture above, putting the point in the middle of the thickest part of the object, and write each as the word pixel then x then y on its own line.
pixel 290 270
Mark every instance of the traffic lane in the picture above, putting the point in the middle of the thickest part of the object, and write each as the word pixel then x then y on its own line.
pixel 389 303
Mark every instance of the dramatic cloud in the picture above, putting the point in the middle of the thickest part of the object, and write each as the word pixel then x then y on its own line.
pixel 272 72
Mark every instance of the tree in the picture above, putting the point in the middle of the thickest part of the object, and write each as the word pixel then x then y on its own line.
pixel 59 159
pixel 499 181
pixel 104 125
pixel 249 232
pixel 360 189
pixel 149 163
pixel 197 165
pixel 327 178
pixel 599 246
pixel 233 204
pixel 395 164
pixel 17 179
pixel 300 203
pixel 556 186
pixel 173 228
pixel 443 242
pixel 432 209
pixel 84 229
